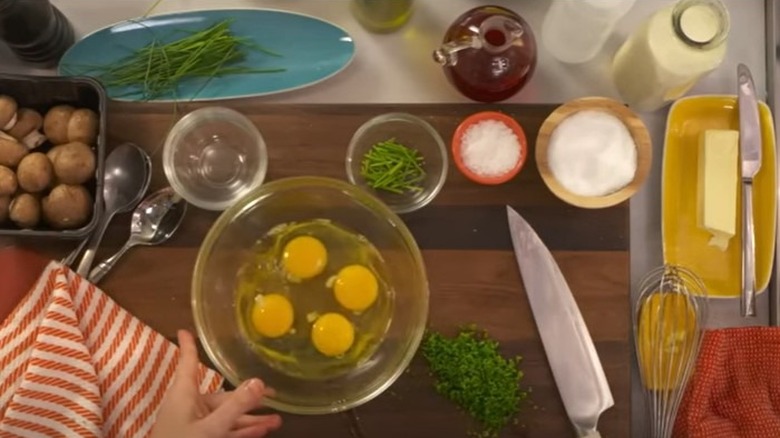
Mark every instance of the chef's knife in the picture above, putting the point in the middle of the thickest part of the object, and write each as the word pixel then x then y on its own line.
pixel 573 359
pixel 750 157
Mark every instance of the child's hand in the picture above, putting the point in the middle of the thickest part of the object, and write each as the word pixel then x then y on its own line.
pixel 185 412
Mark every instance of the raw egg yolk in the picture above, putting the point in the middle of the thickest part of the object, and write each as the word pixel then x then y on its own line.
pixel 272 315
pixel 332 334
pixel 304 257
pixel 356 288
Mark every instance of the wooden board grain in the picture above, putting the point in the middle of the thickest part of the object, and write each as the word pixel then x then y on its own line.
pixel 468 254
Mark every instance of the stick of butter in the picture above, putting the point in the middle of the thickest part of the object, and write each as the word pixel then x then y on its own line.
pixel 718 184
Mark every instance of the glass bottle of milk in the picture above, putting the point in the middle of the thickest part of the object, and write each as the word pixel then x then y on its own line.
pixel 670 52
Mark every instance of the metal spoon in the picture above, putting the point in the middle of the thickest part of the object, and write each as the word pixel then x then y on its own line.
pixel 70 258
pixel 128 170
pixel 154 221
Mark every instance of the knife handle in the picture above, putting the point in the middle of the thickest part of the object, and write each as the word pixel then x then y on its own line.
pixel 748 302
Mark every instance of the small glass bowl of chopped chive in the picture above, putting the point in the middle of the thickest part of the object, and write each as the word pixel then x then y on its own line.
pixel 399 158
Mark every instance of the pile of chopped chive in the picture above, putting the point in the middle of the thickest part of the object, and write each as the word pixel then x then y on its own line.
pixel 158 68
pixel 393 167
pixel 469 370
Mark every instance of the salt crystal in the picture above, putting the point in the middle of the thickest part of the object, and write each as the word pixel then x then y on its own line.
pixel 490 148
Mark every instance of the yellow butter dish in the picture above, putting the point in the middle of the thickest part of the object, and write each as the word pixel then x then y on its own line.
pixel 687 241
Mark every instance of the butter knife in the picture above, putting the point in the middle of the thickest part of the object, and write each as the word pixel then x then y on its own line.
pixel 573 359
pixel 750 158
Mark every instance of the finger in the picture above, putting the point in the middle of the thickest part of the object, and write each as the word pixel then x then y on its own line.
pixel 244 421
pixel 214 400
pixel 187 368
pixel 247 397
pixel 257 430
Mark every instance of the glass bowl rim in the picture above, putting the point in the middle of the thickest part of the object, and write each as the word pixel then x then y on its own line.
pixel 189 119
pixel 441 178
pixel 249 201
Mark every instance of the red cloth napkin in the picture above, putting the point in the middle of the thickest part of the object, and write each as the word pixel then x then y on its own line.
pixel 74 363
pixel 20 268
pixel 735 388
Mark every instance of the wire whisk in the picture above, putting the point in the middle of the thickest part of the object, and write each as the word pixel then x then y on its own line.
pixel 669 319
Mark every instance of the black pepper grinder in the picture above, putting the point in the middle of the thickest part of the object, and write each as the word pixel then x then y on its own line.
pixel 35 30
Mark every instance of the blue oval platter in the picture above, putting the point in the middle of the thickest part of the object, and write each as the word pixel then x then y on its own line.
pixel 310 50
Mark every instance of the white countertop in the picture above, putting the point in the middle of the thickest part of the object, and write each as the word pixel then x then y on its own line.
pixel 401 62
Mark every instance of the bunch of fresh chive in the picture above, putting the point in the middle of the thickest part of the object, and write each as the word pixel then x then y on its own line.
pixel 393 167
pixel 157 69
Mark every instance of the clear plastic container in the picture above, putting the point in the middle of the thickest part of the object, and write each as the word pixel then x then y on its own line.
pixel 670 52
pixel 213 156
pixel 574 31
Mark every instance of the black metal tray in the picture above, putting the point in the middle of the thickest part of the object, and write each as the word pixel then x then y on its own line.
pixel 41 93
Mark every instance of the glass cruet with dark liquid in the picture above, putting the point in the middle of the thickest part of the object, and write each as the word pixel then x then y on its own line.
pixel 488 53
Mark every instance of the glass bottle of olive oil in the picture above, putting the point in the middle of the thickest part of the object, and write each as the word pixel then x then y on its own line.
pixel 382 15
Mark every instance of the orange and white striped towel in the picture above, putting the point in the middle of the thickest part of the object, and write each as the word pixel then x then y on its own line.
pixel 74 363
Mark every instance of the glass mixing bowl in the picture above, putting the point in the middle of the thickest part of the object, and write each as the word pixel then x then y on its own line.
pixel 228 246
pixel 213 156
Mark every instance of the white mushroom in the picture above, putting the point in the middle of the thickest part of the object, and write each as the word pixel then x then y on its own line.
pixel 25 210
pixel 26 129
pixel 35 173
pixel 74 163
pixel 11 151
pixel 8 109
pixel 64 124
pixel 8 182
pixel 55 124
pixel 67 207
pixel 83 126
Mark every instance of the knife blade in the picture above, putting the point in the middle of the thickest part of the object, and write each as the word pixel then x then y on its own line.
pixel 573 359
pixel 750 159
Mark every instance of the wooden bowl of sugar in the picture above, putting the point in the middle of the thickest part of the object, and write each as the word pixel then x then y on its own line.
pixel 593 152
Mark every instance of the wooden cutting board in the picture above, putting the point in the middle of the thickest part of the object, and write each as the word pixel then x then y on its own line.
pixel 467 249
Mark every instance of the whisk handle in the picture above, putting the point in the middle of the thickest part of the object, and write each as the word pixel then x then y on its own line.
pixel 592 434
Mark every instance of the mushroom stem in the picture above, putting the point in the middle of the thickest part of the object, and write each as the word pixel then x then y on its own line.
pixel 33 140
pixel 10 123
